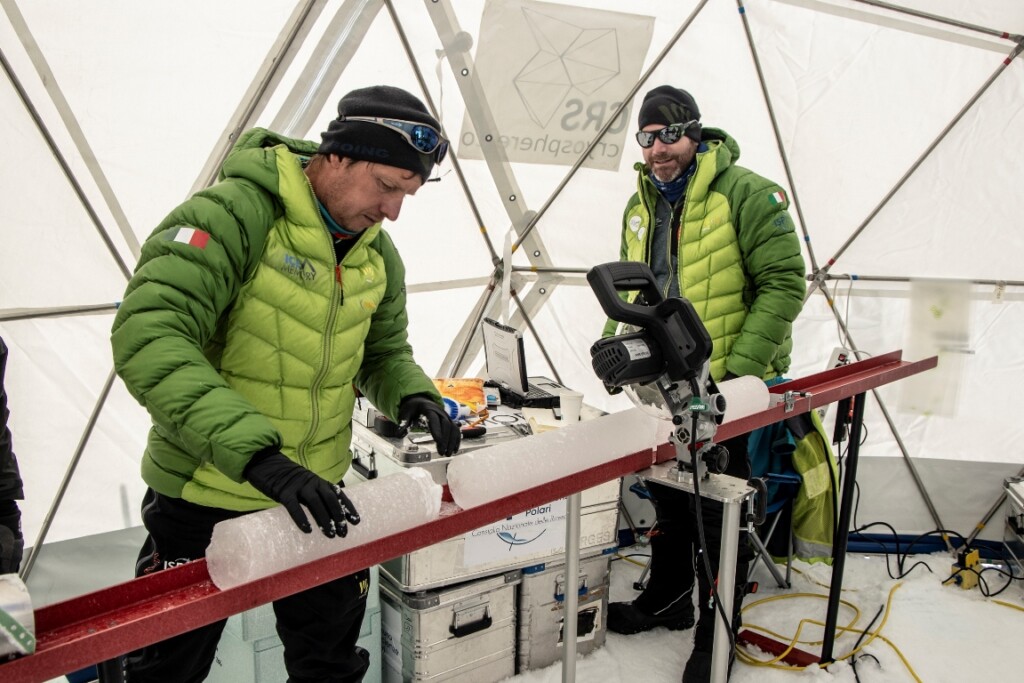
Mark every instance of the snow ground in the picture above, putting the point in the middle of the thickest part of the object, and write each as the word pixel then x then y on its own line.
pixel 944 633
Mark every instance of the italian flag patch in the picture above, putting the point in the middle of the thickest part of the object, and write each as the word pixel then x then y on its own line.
pixel 777 198
pixel 191 236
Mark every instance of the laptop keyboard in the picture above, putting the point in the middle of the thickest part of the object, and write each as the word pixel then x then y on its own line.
pixel 537 392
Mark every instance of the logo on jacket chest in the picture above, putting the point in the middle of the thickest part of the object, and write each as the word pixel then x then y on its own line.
pixel 301 269
pixel 636 226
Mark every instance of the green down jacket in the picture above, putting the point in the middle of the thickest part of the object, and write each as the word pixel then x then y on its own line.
pixel 239 331
pixel 739 258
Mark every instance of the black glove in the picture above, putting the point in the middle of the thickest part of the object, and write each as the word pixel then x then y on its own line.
pixel 12 543
pixel 291 484
pixel 728 376
pixel 446 433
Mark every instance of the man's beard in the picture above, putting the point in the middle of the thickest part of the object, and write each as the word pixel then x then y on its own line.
pixel 673 171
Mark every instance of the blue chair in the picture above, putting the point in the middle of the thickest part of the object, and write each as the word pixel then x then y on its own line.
pixel 780 488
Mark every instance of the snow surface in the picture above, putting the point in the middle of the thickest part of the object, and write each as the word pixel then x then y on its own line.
pixel 945 633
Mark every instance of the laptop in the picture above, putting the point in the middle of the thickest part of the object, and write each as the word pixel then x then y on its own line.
pixel 505 355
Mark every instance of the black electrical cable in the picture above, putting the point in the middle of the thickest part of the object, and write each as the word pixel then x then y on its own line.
pixel 853 660
pixel 695 389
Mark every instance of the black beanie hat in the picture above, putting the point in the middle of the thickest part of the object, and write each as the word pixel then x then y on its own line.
pixel 667 105
pixel 367 141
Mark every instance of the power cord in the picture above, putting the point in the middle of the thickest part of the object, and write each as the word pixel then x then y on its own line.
pixel 773 663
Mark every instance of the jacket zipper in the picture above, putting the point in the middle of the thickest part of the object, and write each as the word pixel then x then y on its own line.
pixel 337 299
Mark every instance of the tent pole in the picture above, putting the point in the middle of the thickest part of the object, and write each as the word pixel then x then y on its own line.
pixel 281 55
pixel 778 134
pixel 26 567
pixel 457 45
pixel 75 186
pixel 988 515
pixel 903 278
pixel 55 312
pixel 611 119
pixel 323 69
pixel 451 366
pixel 933 17
pixel 815 283
pixel 49 81
pixel 892 428
pixel 540 343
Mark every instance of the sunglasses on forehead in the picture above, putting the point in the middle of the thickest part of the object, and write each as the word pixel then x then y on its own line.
pixel 668 134
pixel 420 136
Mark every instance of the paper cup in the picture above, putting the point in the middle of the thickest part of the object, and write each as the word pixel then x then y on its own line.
pixel 571 404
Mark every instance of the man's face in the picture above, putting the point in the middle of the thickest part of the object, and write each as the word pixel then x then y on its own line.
pixel 359 194
pixel 667 162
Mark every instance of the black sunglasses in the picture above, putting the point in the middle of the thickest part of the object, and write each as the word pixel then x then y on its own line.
pixel 668 134
pixel 420 136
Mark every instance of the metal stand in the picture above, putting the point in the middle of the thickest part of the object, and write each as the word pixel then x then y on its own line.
pixel 839 545
pixel 572 596
pixel 764 556
pixel 731 492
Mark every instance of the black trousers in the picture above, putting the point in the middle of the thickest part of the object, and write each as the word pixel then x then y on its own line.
pixel 319 627
pixel 675 548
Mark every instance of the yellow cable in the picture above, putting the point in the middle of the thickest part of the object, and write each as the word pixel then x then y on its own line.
pixel 1008 604
pixel 630 560
pixel 773 663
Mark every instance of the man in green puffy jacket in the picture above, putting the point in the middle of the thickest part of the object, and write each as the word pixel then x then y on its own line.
pixel 258 308
pixel 720 236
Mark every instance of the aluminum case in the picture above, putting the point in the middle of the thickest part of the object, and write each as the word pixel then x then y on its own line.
pixel 460 559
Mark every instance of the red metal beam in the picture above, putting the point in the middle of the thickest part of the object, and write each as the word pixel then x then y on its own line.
pixel 92 628
pixel 82 631
pixel 820 389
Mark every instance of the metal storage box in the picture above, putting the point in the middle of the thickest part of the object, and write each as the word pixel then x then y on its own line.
pixel 461 634
pixel 542 610
pixel 519 541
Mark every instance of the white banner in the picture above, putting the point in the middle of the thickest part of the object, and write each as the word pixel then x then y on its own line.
pixel 540 529
pixel 553 76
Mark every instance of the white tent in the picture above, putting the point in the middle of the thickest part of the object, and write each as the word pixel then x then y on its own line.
pixel 897 130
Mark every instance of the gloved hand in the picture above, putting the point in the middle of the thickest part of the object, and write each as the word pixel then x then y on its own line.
pixel 292 485
pixel 446 433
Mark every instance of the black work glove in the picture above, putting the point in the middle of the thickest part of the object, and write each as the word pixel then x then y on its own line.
pixel 446 433
pixel 292 485
pixel 12 543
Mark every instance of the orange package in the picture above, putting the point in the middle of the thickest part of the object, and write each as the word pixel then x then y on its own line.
pixel 468 391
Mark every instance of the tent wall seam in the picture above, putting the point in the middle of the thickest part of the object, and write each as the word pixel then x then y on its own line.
pixel 819 274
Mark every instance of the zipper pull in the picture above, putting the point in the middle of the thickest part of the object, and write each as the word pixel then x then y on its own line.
pixel 337 276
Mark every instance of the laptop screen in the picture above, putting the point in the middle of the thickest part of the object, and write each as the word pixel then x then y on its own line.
pixel 505 355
